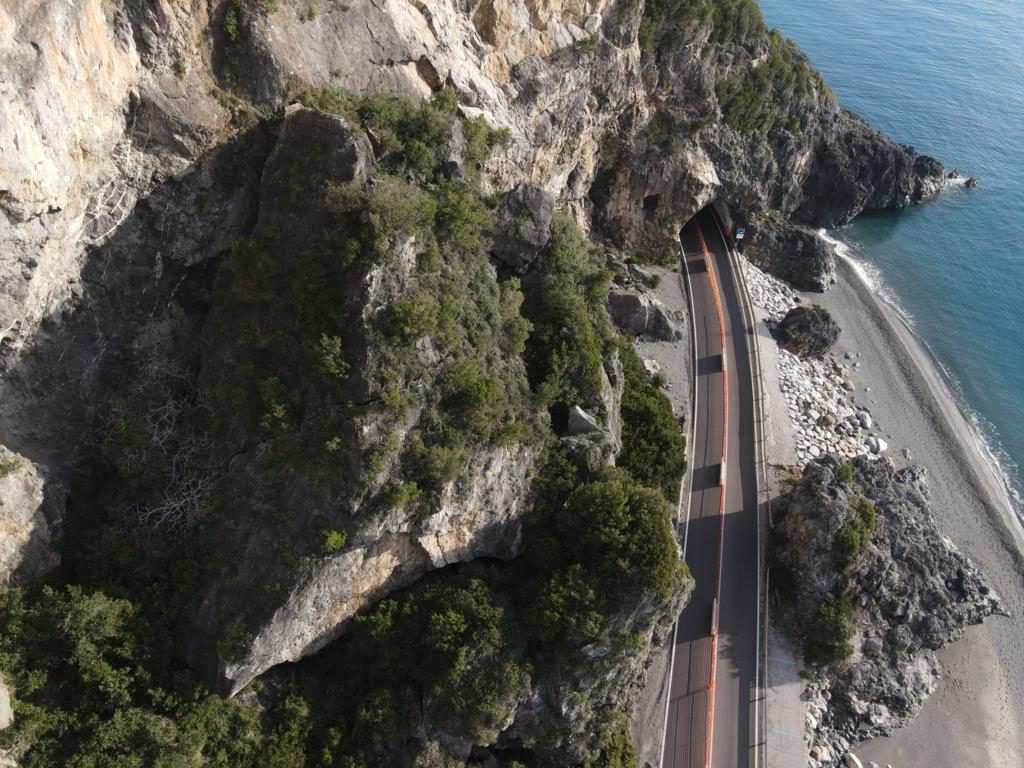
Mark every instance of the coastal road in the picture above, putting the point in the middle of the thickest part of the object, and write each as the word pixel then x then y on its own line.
pixel 711 718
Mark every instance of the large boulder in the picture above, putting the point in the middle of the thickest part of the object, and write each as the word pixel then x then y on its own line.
pixel 807 331
pixel 796 254
pixel 523 225
pixel 640 313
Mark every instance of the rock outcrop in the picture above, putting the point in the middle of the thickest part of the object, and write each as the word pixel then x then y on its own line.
pixel 797 254
pixel 640 313
pixel 307 594
pixel 28 518
pixel 523 225
pixel 909 590
pixel 807 331
pixel 6 715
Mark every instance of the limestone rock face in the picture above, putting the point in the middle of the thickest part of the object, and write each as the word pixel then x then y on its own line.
pixel 6 715
pixel 92 108
pixel 127 117
pixel 25 531
pixel 913 592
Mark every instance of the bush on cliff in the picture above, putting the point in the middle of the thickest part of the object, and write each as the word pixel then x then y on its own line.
pixel 653 446
pixel 95 683
pixel 855 533
pixel 828 638
pixel 566 303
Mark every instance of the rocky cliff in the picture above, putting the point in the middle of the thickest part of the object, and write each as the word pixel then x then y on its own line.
pixel 311 354
pixel 873 590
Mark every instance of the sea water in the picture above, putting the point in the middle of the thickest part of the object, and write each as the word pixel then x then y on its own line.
pixel 946 76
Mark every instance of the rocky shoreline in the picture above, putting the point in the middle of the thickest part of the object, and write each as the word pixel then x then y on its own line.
pixel 819 395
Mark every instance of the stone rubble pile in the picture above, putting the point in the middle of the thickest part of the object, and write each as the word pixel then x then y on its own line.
pixel 817 392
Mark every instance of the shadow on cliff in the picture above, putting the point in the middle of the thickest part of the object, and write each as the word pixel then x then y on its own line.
pixel 147 287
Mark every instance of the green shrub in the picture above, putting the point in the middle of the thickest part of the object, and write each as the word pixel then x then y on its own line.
pixel 473 402
pixel 400 208
pixel 332 359
pixel 238 11
pixel 844 473
pixel 333 541
pixel 412 317
pixel 566 607
pixel 9 467
pixel 462 218
pixel 95 684
pixel 855 534
pixel 622 530
pixel 275 405
pixel 434 466
pixel 398 495
pixel 827 640
pixel 445 101
pixel 614 748
pixel 653 446
pixel 566 304
pixel 441 648
pixel 481 138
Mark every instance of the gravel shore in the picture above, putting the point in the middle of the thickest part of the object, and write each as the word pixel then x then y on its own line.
pixel 973 718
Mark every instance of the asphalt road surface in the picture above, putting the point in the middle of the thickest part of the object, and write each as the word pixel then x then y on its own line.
pixel 714 724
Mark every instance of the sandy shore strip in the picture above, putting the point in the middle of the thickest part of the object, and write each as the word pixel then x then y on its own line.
pixel 973 719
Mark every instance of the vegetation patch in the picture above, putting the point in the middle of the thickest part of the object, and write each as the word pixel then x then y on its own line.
pixel 828 638
pixel 765 97
pixel 566 304
pixel 855 534
pixel 653 446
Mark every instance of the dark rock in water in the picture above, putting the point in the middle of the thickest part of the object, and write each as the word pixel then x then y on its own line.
pixel 796 254
pixel 807 331
pixel 972 182
pixel 523 225
pixel 910 590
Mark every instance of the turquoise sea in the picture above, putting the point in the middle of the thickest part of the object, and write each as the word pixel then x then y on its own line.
pixel 946 76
